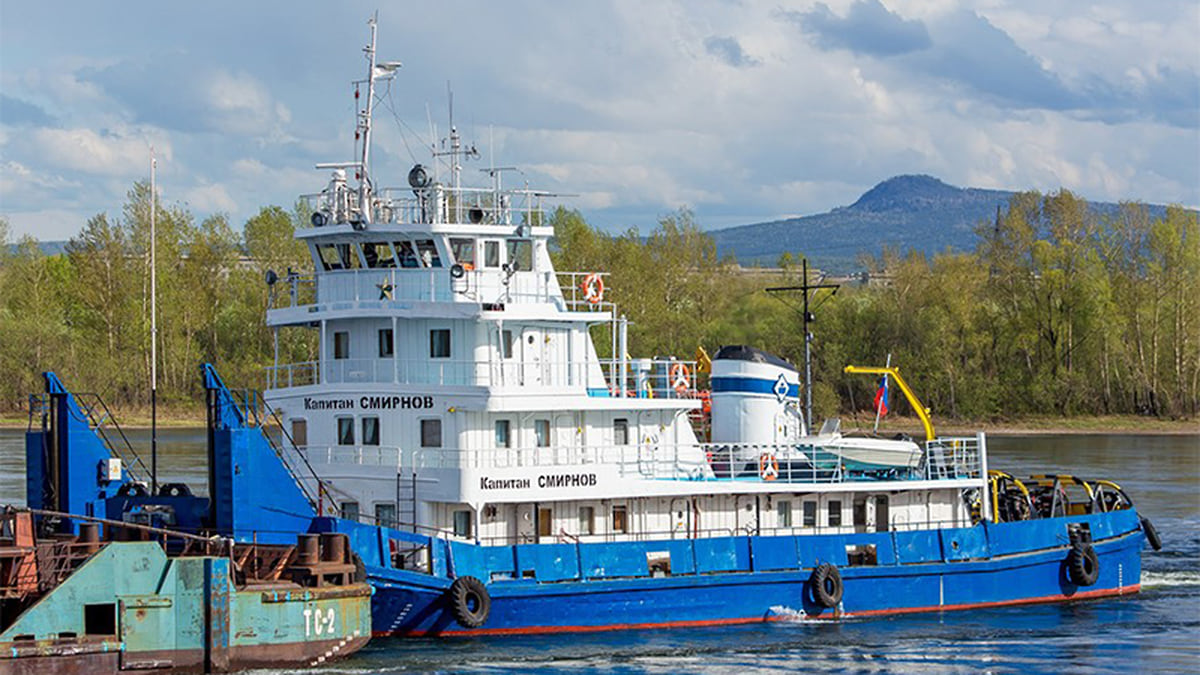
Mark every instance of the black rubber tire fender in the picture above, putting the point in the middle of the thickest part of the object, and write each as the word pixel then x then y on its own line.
pixel 1083 566
pixel 826 582
pixel 469 602
pixel 1151 534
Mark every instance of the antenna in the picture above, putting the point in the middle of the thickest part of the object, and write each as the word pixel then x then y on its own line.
pixel 807 318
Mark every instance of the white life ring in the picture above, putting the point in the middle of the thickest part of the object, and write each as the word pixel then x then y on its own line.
pixel 768 466
pixel 593 288
pixel 680 378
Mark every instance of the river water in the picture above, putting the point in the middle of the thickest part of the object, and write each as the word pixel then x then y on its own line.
pixel 1157 630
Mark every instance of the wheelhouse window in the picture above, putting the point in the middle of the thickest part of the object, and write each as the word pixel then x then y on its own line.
pixel 541 433
pixel 520 254
pixel 503 434
pixel 345 430
pixel 491 254
pixel 439 343
pixel 378 254
pixel 407 254
pixel 427 253
pixel 341 345
pixel 620 519
pixel 387 342
pixel 463 251
pixel 370 431
pixel 431 433
pixel 620 431
pixel 835 513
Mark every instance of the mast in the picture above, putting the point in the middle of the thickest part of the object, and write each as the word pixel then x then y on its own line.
pixel 364 127
pixel 153 333
pixel 807 318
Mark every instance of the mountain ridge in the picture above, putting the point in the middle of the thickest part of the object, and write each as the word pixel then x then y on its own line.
pixel 908 211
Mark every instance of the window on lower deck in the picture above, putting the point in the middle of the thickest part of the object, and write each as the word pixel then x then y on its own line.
pixel 810 514
pixel 541 433
pixel 503 434
pixel 439 343
pixel 350 510
pixel 385 514
pixel 620 432
pixel 387 342
pixel 341 344
pixel 431 433
pixel 620 519
pixel 783 509
pixel 835 513
pixel 370 431
pixel 462 523
pixel 345 430
pixel 587 520
pixel 300 433
pixel 882 518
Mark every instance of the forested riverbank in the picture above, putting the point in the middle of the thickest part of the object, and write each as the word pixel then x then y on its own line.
pixel 1059 312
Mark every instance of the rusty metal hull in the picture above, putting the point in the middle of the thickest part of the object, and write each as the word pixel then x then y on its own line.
pixel 130 607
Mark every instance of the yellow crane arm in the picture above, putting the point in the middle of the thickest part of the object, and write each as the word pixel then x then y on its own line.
pixel 894 373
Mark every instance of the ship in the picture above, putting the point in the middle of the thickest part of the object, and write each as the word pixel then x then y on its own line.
pixel 498 477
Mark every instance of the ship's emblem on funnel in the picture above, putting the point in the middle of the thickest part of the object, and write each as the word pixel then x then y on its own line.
pixel 781 388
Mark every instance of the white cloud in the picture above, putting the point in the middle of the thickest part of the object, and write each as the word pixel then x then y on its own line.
pixel 103 153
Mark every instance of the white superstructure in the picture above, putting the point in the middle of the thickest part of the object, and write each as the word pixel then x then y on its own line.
pixel 457 388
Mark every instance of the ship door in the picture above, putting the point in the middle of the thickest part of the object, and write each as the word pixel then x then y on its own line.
pixel 533 346
pixel 681 518
pixel 745 512
pixel 526 527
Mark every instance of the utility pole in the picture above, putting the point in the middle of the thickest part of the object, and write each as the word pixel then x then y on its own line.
pixel 807 318
pixel 153 335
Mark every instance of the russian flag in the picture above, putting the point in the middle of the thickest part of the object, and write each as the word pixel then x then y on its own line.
pixel 881 397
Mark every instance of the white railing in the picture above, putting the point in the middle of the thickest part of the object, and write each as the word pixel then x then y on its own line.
pixel 944 459
pixel 438 204
pixel 445 372
pixel 645 378
pixel 381 287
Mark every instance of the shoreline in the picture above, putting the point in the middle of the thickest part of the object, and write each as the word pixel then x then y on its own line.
pixel 1030 426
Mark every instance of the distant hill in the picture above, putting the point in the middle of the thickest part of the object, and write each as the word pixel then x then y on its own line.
pixel 905 212
pixel 47 247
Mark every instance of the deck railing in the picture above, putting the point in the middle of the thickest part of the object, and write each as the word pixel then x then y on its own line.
pixel 941 459
pixel 392 286
pixel 644 378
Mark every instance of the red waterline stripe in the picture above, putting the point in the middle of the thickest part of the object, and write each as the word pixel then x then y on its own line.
pixel 535 630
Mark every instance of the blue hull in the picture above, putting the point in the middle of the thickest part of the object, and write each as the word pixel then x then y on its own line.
pixel 588 587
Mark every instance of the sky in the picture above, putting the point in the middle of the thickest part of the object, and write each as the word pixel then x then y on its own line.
pixel 742 111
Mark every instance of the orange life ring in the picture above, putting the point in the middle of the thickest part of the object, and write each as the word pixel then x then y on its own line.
pixel 680 377
pixel 593 288
pixel 768 466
